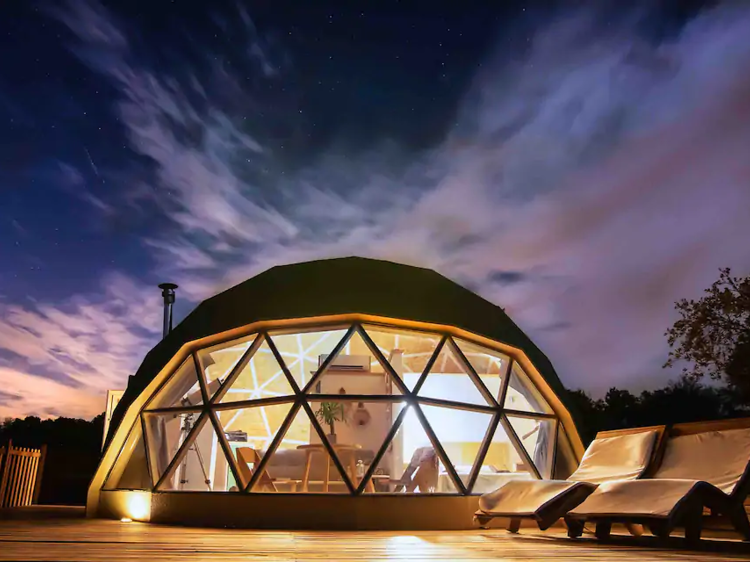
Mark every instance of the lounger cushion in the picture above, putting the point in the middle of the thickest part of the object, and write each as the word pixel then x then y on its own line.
pixel 717 457
pixel 647 498
pixel 620 457
pixel 524 497
pixel 713 460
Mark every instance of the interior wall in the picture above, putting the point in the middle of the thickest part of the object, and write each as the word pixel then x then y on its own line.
pixel 370 436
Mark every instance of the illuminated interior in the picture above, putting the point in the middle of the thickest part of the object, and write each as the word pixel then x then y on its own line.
pixel 345 409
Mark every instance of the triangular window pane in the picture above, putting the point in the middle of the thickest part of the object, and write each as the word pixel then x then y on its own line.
pixel 407 351
pixel 301 463
pixel 181 390
pixel 522 395
pixel 411 465
pixel 461 433
pixel 301 350
pixel 488 364
pixel 249 432
pixel 202 466
pixel 218 361
pixel 261 377
pixel 360 429
pixel 448 380
pixel 356 370
pixel 130 471
pixel 501 464
pixel 538 438
pixel 165 433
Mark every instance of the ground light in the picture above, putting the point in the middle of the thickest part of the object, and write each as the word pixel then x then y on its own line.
pixel 137 507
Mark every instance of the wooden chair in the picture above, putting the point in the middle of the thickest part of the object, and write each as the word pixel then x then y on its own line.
pixel 249 456
pixel 613 455
pixel 704 465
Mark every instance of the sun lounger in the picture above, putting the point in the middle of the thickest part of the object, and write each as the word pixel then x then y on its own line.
pixel 613 455
pixel 704 465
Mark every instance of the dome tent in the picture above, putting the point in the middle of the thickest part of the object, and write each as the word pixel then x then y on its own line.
pixel 365 291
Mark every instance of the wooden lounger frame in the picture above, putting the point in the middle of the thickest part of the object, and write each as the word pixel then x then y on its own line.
pixel 688 513
pixel 551 512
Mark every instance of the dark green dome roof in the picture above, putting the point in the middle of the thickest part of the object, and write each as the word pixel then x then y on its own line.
pixel 340 286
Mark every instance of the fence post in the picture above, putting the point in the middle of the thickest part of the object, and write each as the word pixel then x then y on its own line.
pixel 39 473
pixel 5 461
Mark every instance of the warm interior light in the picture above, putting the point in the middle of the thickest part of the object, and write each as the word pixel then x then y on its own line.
pixel 137 506
pixel 126 520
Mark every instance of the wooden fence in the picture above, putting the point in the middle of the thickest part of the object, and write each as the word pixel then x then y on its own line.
pixel 20 475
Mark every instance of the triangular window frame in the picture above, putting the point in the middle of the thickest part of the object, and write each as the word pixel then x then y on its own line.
pixel 243 483
pixel 150 440
pixel 449 346
pixel 152 403
pixel 261 339
pixel 205 417
pixel 358 330
pixel 552 444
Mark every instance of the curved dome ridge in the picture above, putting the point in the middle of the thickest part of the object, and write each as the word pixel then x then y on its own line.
pixel 347 285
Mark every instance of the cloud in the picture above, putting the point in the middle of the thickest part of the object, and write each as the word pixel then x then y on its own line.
pixel 507 277
pixel 8 397
pixel 27 394
pixel 80 348
pixel 71 180
pixel 588 183
pixel 89 21
pixel 641 199
pixel 18 228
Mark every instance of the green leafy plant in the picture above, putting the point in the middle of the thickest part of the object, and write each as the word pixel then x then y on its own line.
pixel 329 413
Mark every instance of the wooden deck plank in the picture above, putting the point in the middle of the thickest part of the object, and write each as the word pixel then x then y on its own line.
pixel 99 540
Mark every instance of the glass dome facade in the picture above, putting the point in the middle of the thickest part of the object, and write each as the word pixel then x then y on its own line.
pixel 348 408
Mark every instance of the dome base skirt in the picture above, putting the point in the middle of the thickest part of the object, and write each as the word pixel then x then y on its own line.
pixel 300 512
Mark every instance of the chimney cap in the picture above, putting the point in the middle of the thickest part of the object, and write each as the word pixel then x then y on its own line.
pixel 168 286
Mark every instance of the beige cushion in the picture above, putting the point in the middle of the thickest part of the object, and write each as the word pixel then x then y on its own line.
pixel 654 498
pixel 620 457
pixel 608 458
pixel 523 497
pixel 716 457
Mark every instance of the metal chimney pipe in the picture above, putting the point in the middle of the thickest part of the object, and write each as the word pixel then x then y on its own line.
pixel 167 293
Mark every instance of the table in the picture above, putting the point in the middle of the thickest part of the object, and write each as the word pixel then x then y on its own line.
pixel 350 467
pixel 381 483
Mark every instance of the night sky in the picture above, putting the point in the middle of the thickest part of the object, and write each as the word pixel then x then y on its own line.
pixel 582 164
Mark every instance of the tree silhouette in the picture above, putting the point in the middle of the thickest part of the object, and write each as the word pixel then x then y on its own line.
pixel 684 400
pixel 73 452
pixel 713 333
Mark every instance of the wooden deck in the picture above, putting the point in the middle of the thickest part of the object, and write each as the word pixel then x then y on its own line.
pixel 85 540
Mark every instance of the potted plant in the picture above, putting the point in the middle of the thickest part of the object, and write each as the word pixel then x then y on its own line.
pixel 329 413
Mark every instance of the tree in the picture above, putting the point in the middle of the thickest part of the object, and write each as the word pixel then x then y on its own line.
pixel 620 409
pixel 686 400
pixel 713 333
pixel 589 410
pixel 73 451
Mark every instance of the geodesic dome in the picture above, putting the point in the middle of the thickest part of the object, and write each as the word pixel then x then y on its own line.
pixel 337 398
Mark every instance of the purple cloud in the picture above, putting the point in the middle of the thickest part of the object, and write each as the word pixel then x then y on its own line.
pixel 586 187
